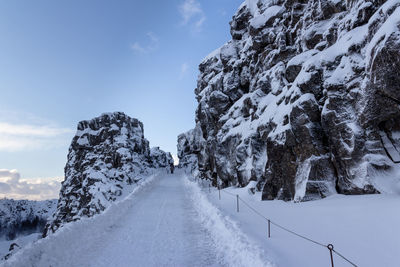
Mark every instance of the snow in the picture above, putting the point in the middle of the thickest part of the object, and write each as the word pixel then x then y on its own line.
pixel 83 141
pixel 213 54
pixel 299 59
pixel 22 241
pixel 341 74
pixel 171 220
pixel 301 179
pixel 87 131
pixel 362 228
pixel 229 239
pixel 161 223
pixel 354 37
pixel 260 20
pixel 228 50
pixel 390 26
pixel 22 221
pixel 252 6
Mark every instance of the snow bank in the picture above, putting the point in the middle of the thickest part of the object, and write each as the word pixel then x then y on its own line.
pixel 51 251
pixel 362 228
pixel 234 246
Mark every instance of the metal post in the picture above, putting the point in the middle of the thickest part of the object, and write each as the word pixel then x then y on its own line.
pixel 237 202
pixel 209 188
pixel 269 229
pixel 219 193
pixel 330 247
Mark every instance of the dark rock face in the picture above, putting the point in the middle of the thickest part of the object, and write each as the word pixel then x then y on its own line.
pixel 24 217
pixel 189 148
pixel 302 98
pixel 108 155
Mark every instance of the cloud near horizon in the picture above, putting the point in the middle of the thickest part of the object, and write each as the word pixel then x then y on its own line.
pixel 12 186
pixel 18 137
pixel 192 13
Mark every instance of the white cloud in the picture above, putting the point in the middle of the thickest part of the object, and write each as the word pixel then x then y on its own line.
pixel 151 45
pixel 184 68
pixel 192 13
pixel 31 130
pixel 12 186
pixel 153 38
pixel 17 137
pixel 137 47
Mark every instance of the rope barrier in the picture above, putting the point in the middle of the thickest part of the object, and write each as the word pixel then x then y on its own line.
pixel 343 257
pixel 299 235
pixel 329 246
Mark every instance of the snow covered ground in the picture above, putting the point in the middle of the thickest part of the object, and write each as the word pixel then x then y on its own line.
pixel 21 241
pixel 365 229
pixel 158 224
pixel 171 220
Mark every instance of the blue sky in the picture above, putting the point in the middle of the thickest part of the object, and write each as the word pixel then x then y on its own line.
pixel 66 61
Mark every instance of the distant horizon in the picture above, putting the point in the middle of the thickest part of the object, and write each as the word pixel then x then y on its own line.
pixel 67 62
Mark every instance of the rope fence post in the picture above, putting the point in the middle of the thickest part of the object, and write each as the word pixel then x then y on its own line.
pixel 269 229
pixel 330 247
pixel 237 203
pixel 209 188
pixel 219 192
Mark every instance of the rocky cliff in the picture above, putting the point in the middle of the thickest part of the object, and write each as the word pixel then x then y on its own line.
pixel 304 99
pixel 107 157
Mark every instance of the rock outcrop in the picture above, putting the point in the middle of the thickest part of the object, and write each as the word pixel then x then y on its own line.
pixel 161 159
pixel 107 157
pixel 304 99
pixel 189 149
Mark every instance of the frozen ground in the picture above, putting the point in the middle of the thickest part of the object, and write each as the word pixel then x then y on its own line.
pixel 159 224
pixel 365 229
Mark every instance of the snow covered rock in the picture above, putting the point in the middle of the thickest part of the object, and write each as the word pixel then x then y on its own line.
pixel 189 148
pixel 24 217
pixel 299 98
pixel 161 159
pixel 107 157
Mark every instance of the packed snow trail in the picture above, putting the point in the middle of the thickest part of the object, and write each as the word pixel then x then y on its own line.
pixel 155 226
pixel 160 230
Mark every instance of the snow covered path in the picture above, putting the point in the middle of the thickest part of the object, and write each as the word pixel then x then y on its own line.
pixel 156 225
pixel 160 229
pixel 165 221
